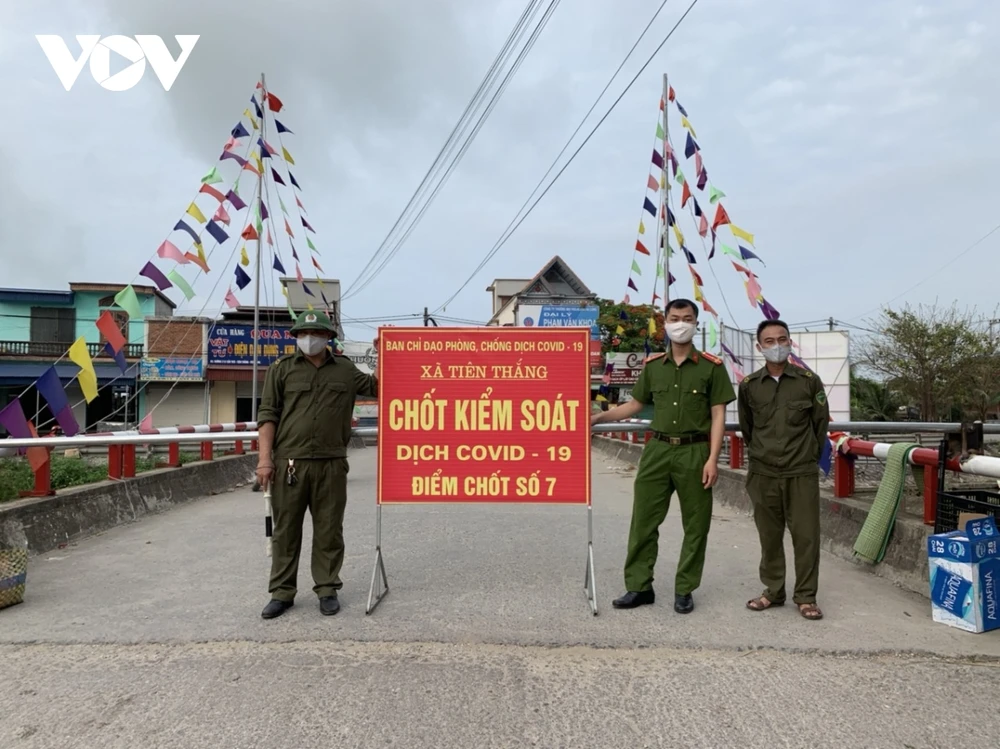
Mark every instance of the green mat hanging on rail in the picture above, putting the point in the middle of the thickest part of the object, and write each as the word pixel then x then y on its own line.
pixel 874 536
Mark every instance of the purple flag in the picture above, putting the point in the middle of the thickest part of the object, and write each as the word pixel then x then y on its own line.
pixel 294 253
pixel 264 153
pixel 697 208
pixel 690 146
pixel 647 204
pixel 657 159
pixel 67 421
pixel 242 279
pixel 702 178
pixel 712 253
pixel 49 386
pixel 292 178
pixel 278 266
pixel 670 281
pixel 235 201
pixel 680 108
pixel 277 177
pixel 282 128
pixel 239 131
pixel 670 217
pixel 747 254
pixel 181 226
pixel 234 156
pixel 263 211
pixel 732 356
pixel 306 289
pixel 118 356
pixel 769 312
pixel 256 106
pixel 689 255
pixel 217 232
pixel 13 420
pixel 154 274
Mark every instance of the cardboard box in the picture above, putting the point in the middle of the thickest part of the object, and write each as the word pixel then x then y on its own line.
pixel 965 576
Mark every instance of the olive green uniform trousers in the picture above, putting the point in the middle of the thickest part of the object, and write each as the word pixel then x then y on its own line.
pixel 791 501
pixel 663 469
pixel 321 487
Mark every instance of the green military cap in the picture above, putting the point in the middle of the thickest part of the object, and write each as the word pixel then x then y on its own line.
pixel 312 320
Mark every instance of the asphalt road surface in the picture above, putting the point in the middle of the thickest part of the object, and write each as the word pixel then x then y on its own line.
pixel 150 636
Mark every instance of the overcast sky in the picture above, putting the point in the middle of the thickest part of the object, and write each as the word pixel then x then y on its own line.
pixel 855 140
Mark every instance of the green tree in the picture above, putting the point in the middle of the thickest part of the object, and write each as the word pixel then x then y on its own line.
pixel 634 326
pixel 872 400
pixel 943 360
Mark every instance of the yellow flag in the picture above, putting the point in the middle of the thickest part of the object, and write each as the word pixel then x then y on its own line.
pixel 260 164
pixel 87 378
pixel 601 399
pixel 194 211
pixel 677 233
pixel 244 259
pixel 309 306
pixel 642 228
pixel 697 293
pixel 619 330
pixel 202 258
pixel 685 123
pixel 652 326
pixel 738 232
pixel 663 181
pixel 248 113
pixel 288 156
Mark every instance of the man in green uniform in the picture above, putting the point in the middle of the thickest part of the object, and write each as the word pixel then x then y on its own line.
pixel 689 390
pixel 304 422
pixel 784 418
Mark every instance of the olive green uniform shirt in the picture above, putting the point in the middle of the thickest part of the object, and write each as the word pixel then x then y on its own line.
pixel 784 421
pixel 683 396
pixel 312 406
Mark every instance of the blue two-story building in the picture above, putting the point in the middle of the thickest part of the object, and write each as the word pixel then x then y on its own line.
pixel 37 327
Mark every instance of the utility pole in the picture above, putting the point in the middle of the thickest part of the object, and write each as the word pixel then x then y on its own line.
pixel 665 239
pixel 256 294
pixel 428 320
pixel 831 324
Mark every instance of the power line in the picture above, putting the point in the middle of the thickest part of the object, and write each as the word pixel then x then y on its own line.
pixel 508 233
pixel 478 97
pixel 967 250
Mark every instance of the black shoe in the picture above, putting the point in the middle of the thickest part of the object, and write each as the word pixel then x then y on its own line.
pixel 683 604
pixel 275 608
pixel 634 598
pixel 329 605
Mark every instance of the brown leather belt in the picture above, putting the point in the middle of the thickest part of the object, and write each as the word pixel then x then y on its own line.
pixel 689 439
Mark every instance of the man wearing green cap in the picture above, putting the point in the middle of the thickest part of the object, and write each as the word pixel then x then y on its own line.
pixel 304 422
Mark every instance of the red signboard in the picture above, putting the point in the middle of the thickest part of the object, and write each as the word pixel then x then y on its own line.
pixel 484 415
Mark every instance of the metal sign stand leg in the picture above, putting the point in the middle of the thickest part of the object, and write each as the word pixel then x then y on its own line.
pixel 589 581
pixel 379 588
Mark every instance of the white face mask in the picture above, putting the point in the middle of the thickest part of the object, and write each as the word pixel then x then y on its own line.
pixel 310 345
pixel 681 332
pixel 777 354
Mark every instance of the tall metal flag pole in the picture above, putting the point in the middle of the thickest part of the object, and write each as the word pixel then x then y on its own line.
pixel 665 184
pixel 256 294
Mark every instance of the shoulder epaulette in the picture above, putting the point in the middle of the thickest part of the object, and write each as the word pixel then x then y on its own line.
pixel 653 357
pixel 712 358
pixel 286 357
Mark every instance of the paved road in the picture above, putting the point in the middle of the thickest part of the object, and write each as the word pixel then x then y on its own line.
pixel 150 635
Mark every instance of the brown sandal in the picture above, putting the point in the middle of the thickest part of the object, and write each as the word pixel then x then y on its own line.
pixel 761 603
pixel 810 611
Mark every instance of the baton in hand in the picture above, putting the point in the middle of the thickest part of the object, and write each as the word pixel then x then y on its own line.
pixel 267 519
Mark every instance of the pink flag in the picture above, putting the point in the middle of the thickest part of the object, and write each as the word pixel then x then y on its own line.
pixel 232 144
pixel 697 162
pixel 146 425
pixel 298 273
pixel 652 184
pixel 269 236
pixel 738 372
pixel 703 225
pixel 231 299
pixel 168 250
pixel 221 216
pixel 753 290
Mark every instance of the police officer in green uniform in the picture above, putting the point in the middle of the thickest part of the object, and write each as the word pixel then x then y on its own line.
pixel 689 390
pixel 784 417
pixel 304 422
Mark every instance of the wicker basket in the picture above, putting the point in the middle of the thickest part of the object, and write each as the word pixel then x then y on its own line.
pixel 13 573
